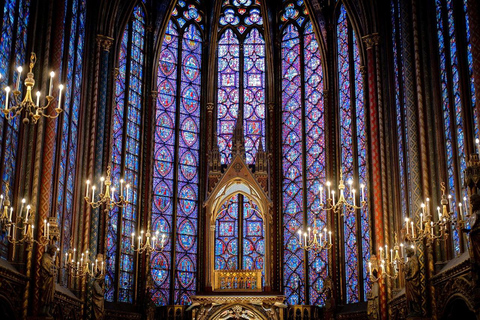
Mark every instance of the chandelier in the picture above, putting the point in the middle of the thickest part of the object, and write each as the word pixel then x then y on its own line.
pixel 336 205
pixel 84 265
pixel 315 240
pixel 107 196
pixel 388 263
pixel 151 244
pixel 33 111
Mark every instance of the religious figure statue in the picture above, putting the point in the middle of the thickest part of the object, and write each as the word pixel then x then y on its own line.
pixel 47 282
pixel 475 229
pixel 412 284
pixel 99 292
pixel 373 306
pixel 149 304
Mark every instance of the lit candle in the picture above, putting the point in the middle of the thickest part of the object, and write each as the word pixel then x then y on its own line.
pixel 381 252
pixel 19 70
pixel 32 232
pixel 113 194
pixel 153 242
pixel 328 185
pixel 38 98
pixel 401 250
pixel 460 210
pixel 423 208
pixel 465 203
pixel 305 236
pixel 45 227
pixel 48 230
pixel 406 224
pixel 60 89
pixel 413 230
pixel 333 198
pixel 21 208
pixel 96 264
pixel 330 236
pixel 102 268
pixel 362 186
pixel 26 215
pixel 102 179
pixel 52 74
pixel 391 255
pixel 300 236
pixel 93 193
pixel 139 242
pixel 353 196
pixel 421 221
pixel 13 231
pixel 370 267
pixel 321 195
pixel 450 202
pixel 7 90
pixel 133 239
pixel 309 229
pixel 121 187
pixel 431 227
pixel 325 232
pixel 88 186
pixel 439 214
pixel 11 212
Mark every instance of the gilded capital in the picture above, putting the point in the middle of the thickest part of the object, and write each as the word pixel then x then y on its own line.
pixel 371 40
pixel 210 106
pixel 271 107
pixel 104 42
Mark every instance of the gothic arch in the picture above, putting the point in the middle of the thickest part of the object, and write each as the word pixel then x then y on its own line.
pixel 236 311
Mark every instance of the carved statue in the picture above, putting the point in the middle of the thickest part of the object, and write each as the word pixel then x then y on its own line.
pixel 373 306
pixel 412 284
pixel 47 282
pixel 99 293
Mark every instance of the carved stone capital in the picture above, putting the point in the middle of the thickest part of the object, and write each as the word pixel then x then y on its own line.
pixel 363 71
pixel 271 107
pixel 104 42
pixel 371 40
pixel 154 94
pixel 210 107
pixel 116 72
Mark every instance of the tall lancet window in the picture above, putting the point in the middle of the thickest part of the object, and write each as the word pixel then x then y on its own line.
pixel 303 149
pixel 176 155
pixel 67 129
pixel 457 95
pixel 127 117
pixel 241 76
pixel 353 141
pixel 15 17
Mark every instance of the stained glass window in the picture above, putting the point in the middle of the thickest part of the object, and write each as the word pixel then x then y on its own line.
pixel 241 76
pixel 453 106
pixel 239 236
pixel 67 130
pixel 303 136
pixel 126 157
pixel 176 154
pixel 353 156
pixel 16 16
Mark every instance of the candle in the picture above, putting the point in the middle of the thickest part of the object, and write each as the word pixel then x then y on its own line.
pixel 450 202
pixel 139 242
pixel 133 239
pixel 8 231
pixel 113 194
pixel 305 236
pixel 26 215
pixel 431 227
pixel 19 70
pixel 321 195
pixel 21 208
pixel 465 204
pixel 370 267
pixel 460 210
pixel 421 221
pixel 439 214
pixel 309 229
pixel 325 232
pixel 48 230
pixel 32 231
pixel 401 250
pixel 413 230
pixel 13 231
pixel 330 236
pixel 353 196
pixel 102 179
pixel 93 193
pixel 10 217
pixel 7 90
pixel 406 224
pixel 38 98
pixel 52 74
pixel 153 242
pixel 300 236
pixel 45 227
pixel 391 255
pixel 328 185
pixel 88 186
pixel 333 197
pixel 121 187
pixel 96 263
pixel 60 88
pixel 102 268
pixel 381 252
pixel 362 186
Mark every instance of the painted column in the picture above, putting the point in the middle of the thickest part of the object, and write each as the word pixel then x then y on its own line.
pixel 371 42
pixel 48 159
pixel 415 181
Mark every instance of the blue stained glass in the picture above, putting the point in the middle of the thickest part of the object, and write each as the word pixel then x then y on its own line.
pixel 470 67
pixel 182 102
pixel 126 125
pixel 16 16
